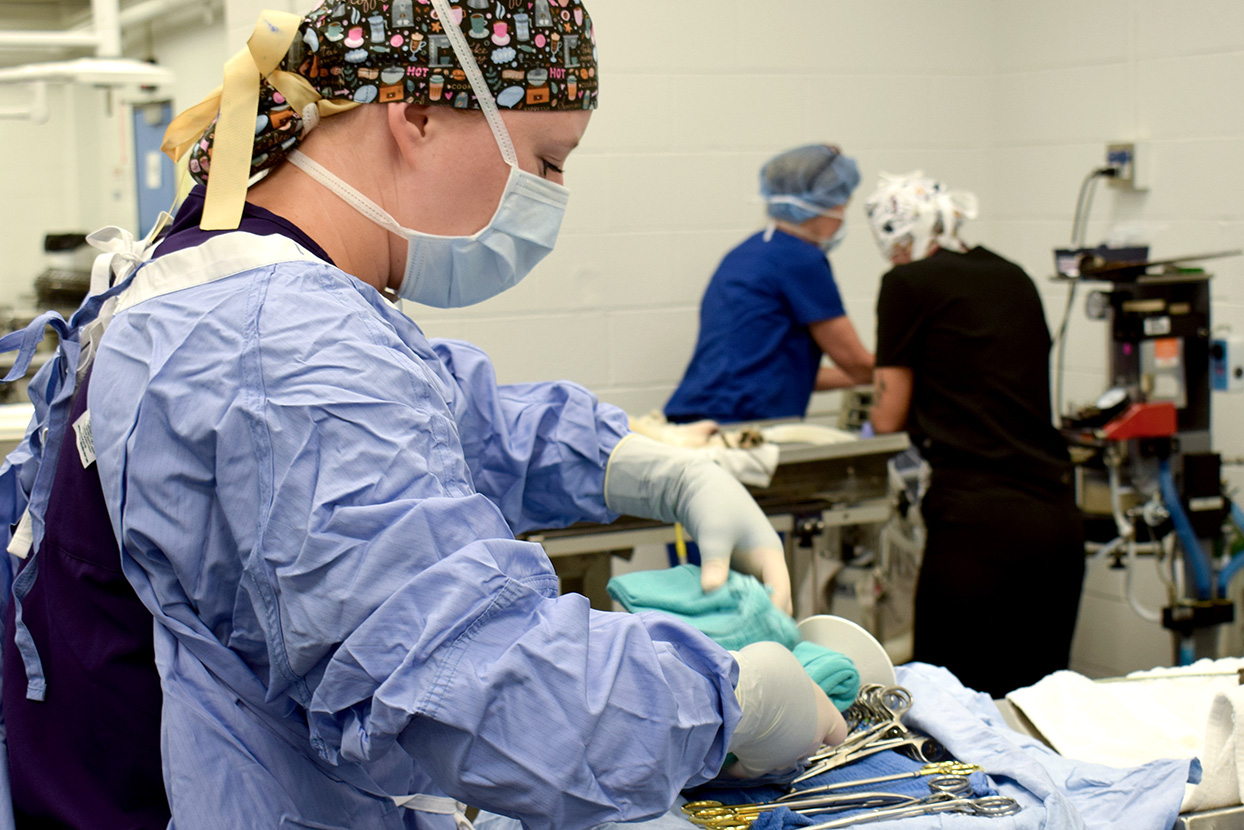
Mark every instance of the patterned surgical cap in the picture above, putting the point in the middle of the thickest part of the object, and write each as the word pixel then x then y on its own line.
pixel 912 208
pixel 534 55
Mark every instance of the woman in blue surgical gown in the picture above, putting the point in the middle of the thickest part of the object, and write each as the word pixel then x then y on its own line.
pixel 318 506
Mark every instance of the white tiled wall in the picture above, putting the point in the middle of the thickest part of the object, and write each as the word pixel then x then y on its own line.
pixel 1071 75
pixel 697 95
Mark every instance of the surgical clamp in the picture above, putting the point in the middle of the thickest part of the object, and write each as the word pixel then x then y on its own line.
pixel 990 806
pixel 877 710
pixel 877 713
pixel 716 817
pixel 714 814
pixel 926 749
pixel 943 768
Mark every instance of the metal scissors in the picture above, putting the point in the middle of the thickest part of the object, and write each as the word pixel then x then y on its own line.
pixel 716 817
pixel 989 806
pixel 921 747
pixel 877 709
pixel 876 717
pixel 713 814
pixel 943 768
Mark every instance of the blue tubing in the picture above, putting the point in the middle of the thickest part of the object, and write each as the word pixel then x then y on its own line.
pixel 1193 552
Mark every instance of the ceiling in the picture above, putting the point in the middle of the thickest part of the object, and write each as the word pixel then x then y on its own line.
pixel 59 15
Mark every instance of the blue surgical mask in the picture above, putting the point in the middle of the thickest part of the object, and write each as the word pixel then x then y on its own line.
pixel 457 271
pixel 828 245
pixel 452 272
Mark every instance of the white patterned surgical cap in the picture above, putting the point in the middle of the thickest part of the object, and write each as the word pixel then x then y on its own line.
pixel 912 208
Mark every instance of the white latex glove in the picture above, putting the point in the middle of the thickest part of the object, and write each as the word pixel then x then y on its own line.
pixel 786 716
pixel 653 481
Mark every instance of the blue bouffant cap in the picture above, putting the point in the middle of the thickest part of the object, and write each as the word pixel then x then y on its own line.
pixel 805 182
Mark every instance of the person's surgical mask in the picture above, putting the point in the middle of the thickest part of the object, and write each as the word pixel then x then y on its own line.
pixel 804 204
pixel 828 245
pixel 457 271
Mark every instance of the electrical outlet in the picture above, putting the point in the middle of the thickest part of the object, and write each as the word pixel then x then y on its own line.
pixel 1122 157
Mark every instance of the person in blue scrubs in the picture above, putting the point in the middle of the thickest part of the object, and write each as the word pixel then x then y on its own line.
pixel 316 505
pixel 772 309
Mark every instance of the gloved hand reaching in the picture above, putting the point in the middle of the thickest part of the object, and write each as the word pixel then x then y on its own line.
pixel 651 480
pixel 786 716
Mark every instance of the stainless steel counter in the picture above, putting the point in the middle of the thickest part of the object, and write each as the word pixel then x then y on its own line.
pixel 846 483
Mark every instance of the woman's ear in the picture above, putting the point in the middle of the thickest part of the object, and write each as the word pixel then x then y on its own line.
pixel 408 124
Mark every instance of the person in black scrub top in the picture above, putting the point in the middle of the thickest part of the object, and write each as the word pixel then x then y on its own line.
pixel 963 366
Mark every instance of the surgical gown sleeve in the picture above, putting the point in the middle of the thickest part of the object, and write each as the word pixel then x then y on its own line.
pixel 307 434
pixel 537 450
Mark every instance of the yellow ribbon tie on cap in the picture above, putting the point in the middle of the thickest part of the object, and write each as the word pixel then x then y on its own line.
pixel 188 127
pixel 234 140
pixel 237 101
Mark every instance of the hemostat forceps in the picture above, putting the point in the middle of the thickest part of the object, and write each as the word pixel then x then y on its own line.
pixel 876 710
pixel 944 769
pixel 925 749
pixel 716 815
pixel 877 713
pixel 989 806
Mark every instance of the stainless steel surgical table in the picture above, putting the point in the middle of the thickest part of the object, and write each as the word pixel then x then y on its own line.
pixel 840 484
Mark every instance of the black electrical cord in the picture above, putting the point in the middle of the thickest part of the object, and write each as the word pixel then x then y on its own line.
pixel 1075 222
pixel 1079 227
pixel 1084 204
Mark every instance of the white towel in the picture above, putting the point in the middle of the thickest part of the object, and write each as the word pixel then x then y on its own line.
pixel 805 433
pixel 1222 782
pixel 1188 711
pixel 754 467
pixel 1115 724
